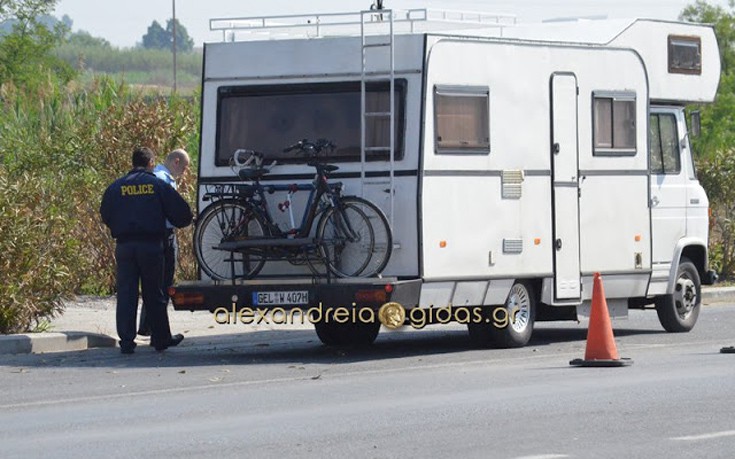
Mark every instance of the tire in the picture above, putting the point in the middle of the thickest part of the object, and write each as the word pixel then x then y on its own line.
pixel 347 334
pixel 507 326
pixel 227 220
pixel 383 247
pixel 345 254
pixel 679 311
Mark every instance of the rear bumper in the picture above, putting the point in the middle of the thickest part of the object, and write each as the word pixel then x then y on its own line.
pixel 347 293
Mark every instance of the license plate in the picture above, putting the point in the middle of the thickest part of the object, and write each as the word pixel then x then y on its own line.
pixel 281 298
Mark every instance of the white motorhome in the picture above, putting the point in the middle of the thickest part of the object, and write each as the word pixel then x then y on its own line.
pixel 513 162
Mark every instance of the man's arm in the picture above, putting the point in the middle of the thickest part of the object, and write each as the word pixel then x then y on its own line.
pixel 175 208
pixel 106 207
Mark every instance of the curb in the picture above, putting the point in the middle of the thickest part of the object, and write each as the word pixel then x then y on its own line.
pixel 53 342
pixel 718 294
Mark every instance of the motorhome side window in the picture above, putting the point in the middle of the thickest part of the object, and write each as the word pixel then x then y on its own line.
pixel 462 119
pixel 614 124
pixel 664 144
pixel 685 55
pixel 269 118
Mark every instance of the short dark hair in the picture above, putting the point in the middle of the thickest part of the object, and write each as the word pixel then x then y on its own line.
pixel 142 157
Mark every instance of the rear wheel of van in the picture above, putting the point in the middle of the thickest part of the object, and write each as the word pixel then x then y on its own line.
pixel 679 311
pixel 347 334
pixel 509 325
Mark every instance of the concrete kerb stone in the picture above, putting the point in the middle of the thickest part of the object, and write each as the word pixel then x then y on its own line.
pixel 53 342
pixel 718 294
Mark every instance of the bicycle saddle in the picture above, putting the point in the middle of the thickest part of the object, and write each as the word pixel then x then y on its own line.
pixel 252 174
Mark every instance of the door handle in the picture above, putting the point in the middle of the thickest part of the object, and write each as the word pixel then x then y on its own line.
pixel 558 244
pixel 654 201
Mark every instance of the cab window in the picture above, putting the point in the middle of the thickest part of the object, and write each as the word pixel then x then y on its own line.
pixel 663 138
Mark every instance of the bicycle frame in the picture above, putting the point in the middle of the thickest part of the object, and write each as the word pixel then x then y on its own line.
pixel 254 197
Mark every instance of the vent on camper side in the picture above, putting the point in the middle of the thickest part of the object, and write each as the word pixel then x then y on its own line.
pixel 512 245
pixel 512 180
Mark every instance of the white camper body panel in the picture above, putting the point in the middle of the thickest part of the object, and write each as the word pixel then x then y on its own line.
pixel 280 63
pixel 649 38
pixel 600 202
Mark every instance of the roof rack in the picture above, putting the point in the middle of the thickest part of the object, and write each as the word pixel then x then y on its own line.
pixel 416 20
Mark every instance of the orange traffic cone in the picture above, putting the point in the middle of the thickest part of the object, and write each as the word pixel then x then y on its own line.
pixel 601 350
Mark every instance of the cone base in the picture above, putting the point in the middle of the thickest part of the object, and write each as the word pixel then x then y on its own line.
pixel 728 350
pixel 601 363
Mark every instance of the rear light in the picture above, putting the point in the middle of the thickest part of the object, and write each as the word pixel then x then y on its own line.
pixel 370 296
pixel 184 298
pixel 388 288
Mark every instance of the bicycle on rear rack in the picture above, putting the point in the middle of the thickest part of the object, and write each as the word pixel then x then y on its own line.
pixel 236 234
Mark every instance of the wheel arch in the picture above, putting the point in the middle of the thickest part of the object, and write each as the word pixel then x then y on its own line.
pixel 693 249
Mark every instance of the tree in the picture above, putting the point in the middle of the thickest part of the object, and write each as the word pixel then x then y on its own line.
pixel 184 43
pixel 84 39
pixel 159 38
pixel 156 38
pixel 715 146
pixel 25 51
pixel 718 124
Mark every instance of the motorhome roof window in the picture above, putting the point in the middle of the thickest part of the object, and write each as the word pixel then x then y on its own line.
pixel 664 142
pixel 614 124
pixel 268 118
pixel 685 55
pixel 462 119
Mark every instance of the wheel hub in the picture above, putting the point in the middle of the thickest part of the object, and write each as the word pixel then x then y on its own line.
pixel 685 297
pixel 518 309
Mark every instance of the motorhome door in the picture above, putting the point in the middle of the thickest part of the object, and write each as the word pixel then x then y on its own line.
pixel 565 186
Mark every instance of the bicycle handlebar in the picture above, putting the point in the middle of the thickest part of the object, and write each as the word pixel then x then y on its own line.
pixel 253 159
pixel 310 148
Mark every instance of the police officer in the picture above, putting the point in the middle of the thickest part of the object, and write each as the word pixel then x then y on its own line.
pixel 136 208
pixel 174 167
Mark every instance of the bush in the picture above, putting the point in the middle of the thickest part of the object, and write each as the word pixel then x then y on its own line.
pixel 59 148
pixel 36 256
pixel 717 174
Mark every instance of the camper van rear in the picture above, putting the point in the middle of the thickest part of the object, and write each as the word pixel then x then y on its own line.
pixel 511 170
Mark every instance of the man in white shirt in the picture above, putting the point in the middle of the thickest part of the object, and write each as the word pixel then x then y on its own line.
pixel 174 167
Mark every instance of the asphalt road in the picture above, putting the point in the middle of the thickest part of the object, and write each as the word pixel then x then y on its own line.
pixel 414 394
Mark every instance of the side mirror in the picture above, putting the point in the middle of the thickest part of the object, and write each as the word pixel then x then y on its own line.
pixel 696 127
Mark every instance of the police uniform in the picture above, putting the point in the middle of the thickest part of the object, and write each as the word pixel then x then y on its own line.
pixel 136 208
pixel 170 252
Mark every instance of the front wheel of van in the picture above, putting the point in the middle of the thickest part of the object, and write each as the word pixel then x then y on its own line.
pixel 679 311
pixel 509 325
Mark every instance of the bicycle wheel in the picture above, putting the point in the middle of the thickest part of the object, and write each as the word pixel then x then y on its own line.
pixel 383 246
pixel 346 240
pixel 227 220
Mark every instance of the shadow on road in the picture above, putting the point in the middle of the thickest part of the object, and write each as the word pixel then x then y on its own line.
pixel 303 347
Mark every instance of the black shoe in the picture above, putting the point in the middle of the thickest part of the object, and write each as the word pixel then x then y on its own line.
pixel 144 331
pixel 174 341
pixel 127 350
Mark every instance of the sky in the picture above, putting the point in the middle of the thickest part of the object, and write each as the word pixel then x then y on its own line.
pixel 124 22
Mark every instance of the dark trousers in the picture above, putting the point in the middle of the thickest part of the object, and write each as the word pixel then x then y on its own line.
pixel 140 263
pixel 170 255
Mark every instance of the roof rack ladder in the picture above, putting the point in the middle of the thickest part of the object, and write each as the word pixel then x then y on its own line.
pixel 368 18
